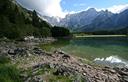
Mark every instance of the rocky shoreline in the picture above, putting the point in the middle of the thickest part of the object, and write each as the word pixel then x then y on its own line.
pixel 32 57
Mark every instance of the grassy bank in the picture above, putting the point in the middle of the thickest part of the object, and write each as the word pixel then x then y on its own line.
pixel 81 36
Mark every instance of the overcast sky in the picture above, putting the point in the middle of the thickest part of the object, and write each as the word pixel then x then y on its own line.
pixel 62 7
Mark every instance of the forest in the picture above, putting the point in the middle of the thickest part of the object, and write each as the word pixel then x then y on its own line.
pixel 17 22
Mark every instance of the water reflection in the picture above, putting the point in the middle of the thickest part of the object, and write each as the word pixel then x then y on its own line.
pixel 112 61
pixel 55 45
pixel 102 50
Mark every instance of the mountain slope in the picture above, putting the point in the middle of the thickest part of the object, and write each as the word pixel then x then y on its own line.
pixel 108 22
pixel 92 20
pixel 77 20
pixel 122 19
pixel 17 22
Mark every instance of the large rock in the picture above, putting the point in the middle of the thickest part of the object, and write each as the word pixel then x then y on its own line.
pixel 66 56
pixel 59 51
pixel 18 52
pixel 11 52
pixel 63 70
pixel 37 78
pixel 122 71
pixel 38 51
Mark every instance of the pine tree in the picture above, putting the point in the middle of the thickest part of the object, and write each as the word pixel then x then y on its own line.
pixel 35 19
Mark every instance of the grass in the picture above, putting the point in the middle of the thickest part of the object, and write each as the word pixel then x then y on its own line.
pixel 4 60
pixel 59 79
pixel 80 36
pixel 8 72
pixel 89 62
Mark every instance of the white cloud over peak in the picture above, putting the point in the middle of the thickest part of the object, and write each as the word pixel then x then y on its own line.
pixel 53 7
pixel 115 8
pixel 118 8
pixel 44 7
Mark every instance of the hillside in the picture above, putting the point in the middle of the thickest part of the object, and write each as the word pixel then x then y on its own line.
pixel 17 22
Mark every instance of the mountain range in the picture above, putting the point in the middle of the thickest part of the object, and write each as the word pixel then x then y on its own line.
pixel 92 20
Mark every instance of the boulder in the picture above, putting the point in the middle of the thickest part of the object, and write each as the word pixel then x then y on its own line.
pixel 37 78
pixel 66 56
pixel 59 51
pixel 122 71
pixel 125 78
pixel 11 52
pixel 18 52
pixel 65 71
pixel 38 51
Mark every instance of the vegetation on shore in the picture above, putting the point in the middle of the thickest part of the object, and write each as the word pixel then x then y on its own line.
pixel 123 31
pixel 80 36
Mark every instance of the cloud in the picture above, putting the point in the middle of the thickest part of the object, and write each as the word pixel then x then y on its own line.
pixel 79 5
pixel 115 8
pixel 82 4
pixel 44 7
pixel 53 7
pixel 118 8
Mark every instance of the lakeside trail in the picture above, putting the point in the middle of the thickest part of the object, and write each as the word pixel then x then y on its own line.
pixel 36 64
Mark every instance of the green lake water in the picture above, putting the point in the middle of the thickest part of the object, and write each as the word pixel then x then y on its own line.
pixel 107 51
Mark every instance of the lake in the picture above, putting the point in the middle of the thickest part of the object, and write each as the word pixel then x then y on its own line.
pixel 112 51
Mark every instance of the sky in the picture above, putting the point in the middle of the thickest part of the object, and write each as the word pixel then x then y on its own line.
pixel 62 7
